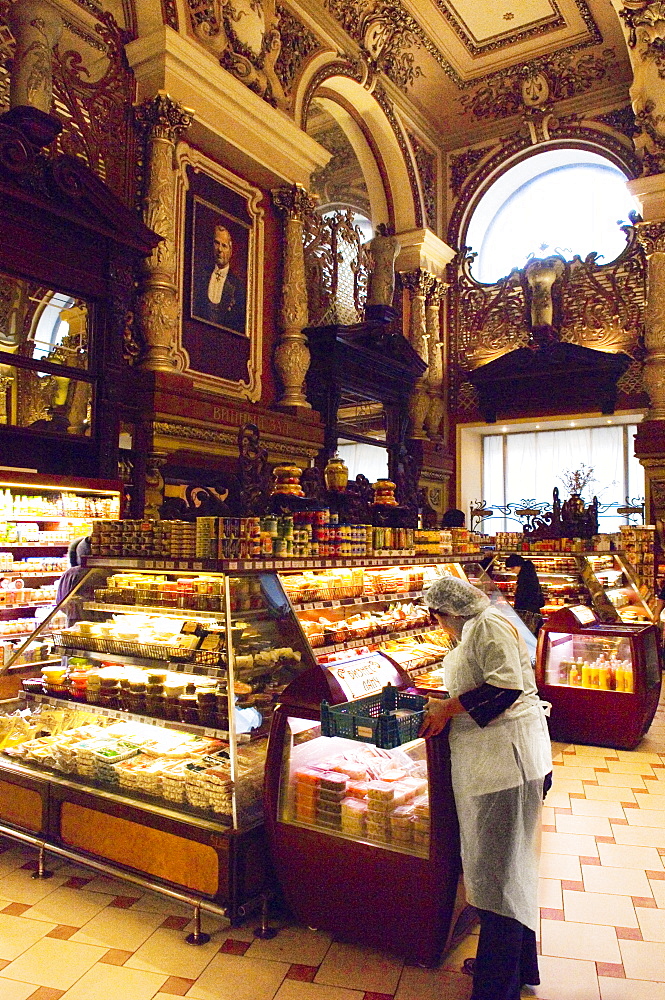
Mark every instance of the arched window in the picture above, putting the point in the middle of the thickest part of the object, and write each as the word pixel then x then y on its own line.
pixel 566 201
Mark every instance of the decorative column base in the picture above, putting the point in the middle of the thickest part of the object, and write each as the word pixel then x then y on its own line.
pixel 418 409
pixel 435 414
pixel 292 359
pixel 158 310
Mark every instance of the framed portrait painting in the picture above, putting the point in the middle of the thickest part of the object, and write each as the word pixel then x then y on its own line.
pixel 220 262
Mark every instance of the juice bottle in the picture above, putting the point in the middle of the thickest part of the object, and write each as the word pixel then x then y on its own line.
pixel 619 676
pixel 586 674
pixel 604 676
pixel 575 676
pixel 628 677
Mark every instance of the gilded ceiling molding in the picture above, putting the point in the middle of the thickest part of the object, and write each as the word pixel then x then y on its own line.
pixel 386 34
pixel 553 23
pixel 462 165
pixel 244 36
pixel 386 106
pixel 621 120
pixel 426 164
pixel 540 82
pixel 170 14
pixel 351 69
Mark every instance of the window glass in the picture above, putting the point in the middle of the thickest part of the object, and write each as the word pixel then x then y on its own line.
pixel 565 201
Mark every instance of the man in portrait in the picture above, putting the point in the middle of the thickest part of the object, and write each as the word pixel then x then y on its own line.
pixel 219 293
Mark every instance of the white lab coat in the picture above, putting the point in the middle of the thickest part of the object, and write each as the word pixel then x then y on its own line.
pixel 498 771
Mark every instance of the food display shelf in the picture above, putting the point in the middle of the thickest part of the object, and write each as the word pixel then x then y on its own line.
pixel 368 640
pixel 47 518
pixel 346 602
pixel 123 716
pixel 29 574
pixel 272 565
pixel 177 656
pixel 24 605
pixel 32 545
pixel 149 609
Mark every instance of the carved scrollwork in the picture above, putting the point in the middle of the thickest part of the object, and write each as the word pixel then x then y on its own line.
pixel 489 319
pixel 386 33
pixel 163 118
pixel 651 237
pixel 337 268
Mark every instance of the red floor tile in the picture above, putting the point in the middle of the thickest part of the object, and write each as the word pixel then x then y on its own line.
pixel 115 957
pixel 124 902
pixel 76 882
pixel 562 812
pixel 233 947
pixel 4 962
pixel 573 886
pixel 175 923
pixel 629 805
pixel 645 901
pixel 610 969
pixel 619 822
pixel 176 986
pixel 546 828
pixel 589 861
pixel 657 876
pixel 629 933
pixel 605 840
pixel 46 993
pixel 548 913
pixel 302 973
pixel 63 932
pixel 378 996
pixel 16 909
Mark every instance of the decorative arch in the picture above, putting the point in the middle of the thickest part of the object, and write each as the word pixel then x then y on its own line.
pixel 345 83
pixel 569 137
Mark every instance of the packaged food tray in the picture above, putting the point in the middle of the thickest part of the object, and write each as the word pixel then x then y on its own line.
pixel 387 719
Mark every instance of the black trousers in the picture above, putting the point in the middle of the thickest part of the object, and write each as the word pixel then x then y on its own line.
pixel 506 959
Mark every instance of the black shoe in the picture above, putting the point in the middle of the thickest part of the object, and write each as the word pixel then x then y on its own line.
pixel 469 966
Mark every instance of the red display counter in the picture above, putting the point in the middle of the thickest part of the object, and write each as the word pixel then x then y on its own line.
pixel 386 876
pixel 603 680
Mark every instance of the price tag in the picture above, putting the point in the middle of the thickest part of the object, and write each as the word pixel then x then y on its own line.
pixel 357 600
pixel 210 733
pixel 270 565
pixel 318 604
pixel 335 604
pixel 51 701
pixel 198 565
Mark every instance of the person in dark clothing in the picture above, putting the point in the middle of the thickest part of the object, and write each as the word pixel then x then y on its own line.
pixel 453 518
pixel 78 549
pixel 529 597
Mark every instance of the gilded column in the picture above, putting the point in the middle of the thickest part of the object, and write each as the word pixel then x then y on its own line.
pixel 651 236
pixel 163 121
pixel 436 409
pixel 419 283
pixel 292 355
pixel 154 484
pixel 36 27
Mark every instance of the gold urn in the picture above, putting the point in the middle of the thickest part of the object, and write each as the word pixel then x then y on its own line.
pixel 336 474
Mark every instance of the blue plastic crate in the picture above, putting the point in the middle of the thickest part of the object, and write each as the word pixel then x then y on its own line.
pixel 374 720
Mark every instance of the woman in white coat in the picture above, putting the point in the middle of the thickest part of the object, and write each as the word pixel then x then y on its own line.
pixel 501 768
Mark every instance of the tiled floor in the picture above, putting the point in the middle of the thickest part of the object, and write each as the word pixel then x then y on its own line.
pixel 79 936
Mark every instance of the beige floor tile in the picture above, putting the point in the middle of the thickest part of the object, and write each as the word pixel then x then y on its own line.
pixel 630 989
pixel 629 767
pixel 589 807
pixel 54 963
pixel 17 935
pixel 569 843
pixel 643 960
pixel 10 861
pixel 359 969
pixel 433 984
pixel 293 944
pixel 549 893
pixel 604 794
pixel 10 990
pixel 585 751
pixel 658 890
pixel 558 800
pixel 584 761
pixel 112 982
pixel 646 817
pixel 599 908
pixel 73 907
pixel 548 816
pixel 21 888
pixel 113 886
pixel 167 952
pixel 616 881
pixel 152 902
pixel 453 960
pixel 220 928
pixel 565 866
pixel 639 836
pixel 624 856
pixel 292 990
pixel 566 979
pixel 566 784
pixel 117 928
pixel 569 772
pixel 652 925
pixel 565 939
pixel 620 780
pixel 645 757
pixel 593 826
pixel 235 977
pixel 650 801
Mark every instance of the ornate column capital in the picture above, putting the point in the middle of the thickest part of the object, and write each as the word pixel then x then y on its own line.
pixel 293 202
pixel 651 237
pixel 161 117
pixel 437 292
pixel 418 282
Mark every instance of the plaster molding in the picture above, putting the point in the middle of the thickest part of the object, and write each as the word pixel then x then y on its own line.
pixel 226 109
pixel 650 193
pixel 214 440
pixel 421 248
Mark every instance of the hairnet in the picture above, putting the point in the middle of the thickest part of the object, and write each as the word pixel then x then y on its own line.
pixel 451 596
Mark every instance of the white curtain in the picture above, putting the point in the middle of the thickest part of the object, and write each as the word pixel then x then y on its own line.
pixel 367 459
pixel 528 466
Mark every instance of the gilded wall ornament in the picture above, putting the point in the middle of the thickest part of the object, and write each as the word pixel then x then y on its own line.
pixel 386 33
pixel 622 120
pixel 298 44
pixel 337 268
pixel 538 84
pixel 170 14
pixel 426 163
pixel 244 36
pixel 36 27
pixel 651 237
pixel 462 165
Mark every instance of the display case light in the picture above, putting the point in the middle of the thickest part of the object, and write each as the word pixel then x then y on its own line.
pixel 58 488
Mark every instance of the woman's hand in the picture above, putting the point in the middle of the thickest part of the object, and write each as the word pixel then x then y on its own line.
pixel 437 713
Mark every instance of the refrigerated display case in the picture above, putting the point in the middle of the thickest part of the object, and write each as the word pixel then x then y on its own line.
pixel 602 581
pixel 39 516
pixel 169 681
pixel 602 679
pixel 364 840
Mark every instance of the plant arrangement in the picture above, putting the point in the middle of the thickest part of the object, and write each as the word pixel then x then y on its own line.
pixel 576 480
